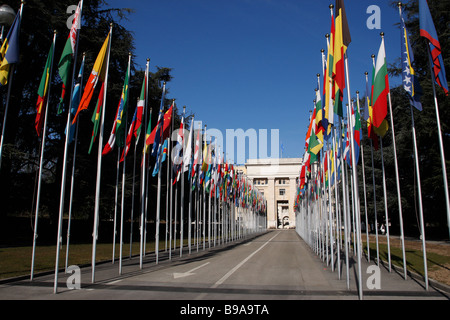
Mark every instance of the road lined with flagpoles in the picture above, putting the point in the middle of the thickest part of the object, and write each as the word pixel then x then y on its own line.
pixel 328 206
pixel 263 266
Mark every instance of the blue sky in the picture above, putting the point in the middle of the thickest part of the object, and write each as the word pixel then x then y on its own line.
pixel 252 64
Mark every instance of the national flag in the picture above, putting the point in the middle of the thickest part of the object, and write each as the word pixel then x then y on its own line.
pixel 187 160
pixel 178 151
pixel 409 77
pixel 66 60
pixel 129 136
pixel 43 92
pixel 119 126
pixel 315 140
pixel 9 52
pixel 147 134
pixel 166 130
pixel 320 130
pixel 428 31
pixel 96 116
pixel 160 157
pixel 368 111
pixel 140 109
pixel 196 156
pixel 98 74
pixel 158 134
pixel 357 133
pixel 342 39
pixel 76 97
pixel 328 87
pixel 380 87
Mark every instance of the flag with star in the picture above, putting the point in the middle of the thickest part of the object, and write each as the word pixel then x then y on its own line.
pixel 409 77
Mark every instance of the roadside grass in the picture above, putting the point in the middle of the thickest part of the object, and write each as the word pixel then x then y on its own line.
pixel 16 261
pixel 414 260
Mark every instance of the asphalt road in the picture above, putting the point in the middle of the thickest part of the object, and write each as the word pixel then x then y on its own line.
pixel 276 265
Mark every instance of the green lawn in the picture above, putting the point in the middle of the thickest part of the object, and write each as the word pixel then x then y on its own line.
pixel 17 261
pixel 414 258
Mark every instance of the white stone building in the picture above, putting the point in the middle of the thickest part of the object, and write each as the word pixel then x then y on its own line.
pixel 276 179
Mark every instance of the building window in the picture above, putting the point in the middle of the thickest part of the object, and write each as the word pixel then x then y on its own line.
pixel 282 181
pixel 282 192
pixel 260 181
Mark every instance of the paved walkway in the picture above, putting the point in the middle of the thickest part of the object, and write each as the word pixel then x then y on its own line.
pixel 276 265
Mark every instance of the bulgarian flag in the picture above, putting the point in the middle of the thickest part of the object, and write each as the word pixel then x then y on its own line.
pixel 380 87
pixel 43 92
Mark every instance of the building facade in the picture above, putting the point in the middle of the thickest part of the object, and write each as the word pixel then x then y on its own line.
pixel 277 180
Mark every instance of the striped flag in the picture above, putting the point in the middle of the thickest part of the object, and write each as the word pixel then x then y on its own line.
pixel 341 39
pixel 43 92
pixel 380 87
pixel 98 73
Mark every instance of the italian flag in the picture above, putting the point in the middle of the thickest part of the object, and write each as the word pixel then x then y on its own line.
pixel 380 88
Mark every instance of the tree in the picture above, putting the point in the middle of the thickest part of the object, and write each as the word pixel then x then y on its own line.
pixel 22 146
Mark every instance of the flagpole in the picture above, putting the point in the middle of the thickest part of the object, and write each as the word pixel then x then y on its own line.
pixel 10 80
pixel 441 144
pixel 73 175
pixel 344 192
pixel 355 182
pixel 42 159
pixel 123 199
pixel 99 163
pixel 144 166
pixel 132 193
pixel 182 189
pixel 374 190
pixel 422 226
pixel 116 204
pixel 364 183
pixel 66 147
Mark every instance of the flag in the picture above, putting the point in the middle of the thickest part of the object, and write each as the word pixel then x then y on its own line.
pixel 166 129
pixel 161 157
pixel 409 77
pixel 140 109
pixel 65 62
pixel 129 136
pixel 178 151
pixel 119 126
pixel 380 87
pixel 428 31
pixel 76 97
pixel 357 133
pixel 158 134
pixel 10 50
pixel 368 112
pixel 96 116
pixel 98 73
pixel 315 139
pixel 187 161
pixel 196 156
pixel 43 92
pixel 147 134
pixel 341 39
